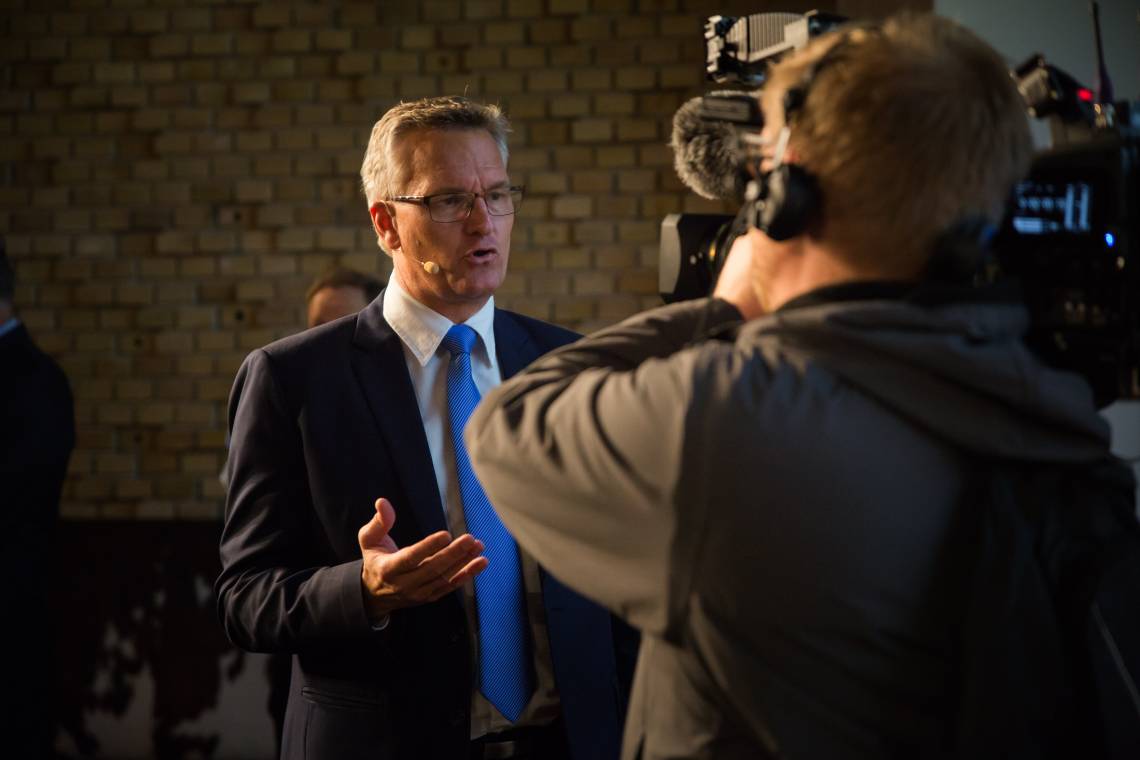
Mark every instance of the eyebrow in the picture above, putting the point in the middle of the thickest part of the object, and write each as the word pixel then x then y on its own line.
pixel 449 190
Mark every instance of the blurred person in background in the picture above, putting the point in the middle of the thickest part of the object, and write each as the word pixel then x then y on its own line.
pixel 37 435
pixel 338 293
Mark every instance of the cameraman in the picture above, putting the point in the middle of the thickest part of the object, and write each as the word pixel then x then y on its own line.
pixel 775 504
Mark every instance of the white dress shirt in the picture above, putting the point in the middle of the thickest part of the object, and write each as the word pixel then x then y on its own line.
pixel 421 330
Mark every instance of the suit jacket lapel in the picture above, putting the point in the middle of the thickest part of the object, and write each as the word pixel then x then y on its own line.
pixel 379 364
pixel 514 347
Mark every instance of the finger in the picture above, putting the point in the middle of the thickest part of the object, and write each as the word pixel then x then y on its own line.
pixel 461 550
pixel 469 571
pixel 373 532
pixel 431 576
pixel 448 573
pixel 462 576
pixel 408 559
pixel 443 585
pixel 387 513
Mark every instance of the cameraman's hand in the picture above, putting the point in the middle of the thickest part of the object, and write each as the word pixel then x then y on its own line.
pixel 735 283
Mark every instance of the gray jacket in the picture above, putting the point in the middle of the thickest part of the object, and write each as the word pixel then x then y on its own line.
pixel 776 510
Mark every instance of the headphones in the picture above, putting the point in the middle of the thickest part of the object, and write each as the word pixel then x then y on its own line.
pixel 787 199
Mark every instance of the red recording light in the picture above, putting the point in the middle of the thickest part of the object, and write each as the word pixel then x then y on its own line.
pixel 1085 94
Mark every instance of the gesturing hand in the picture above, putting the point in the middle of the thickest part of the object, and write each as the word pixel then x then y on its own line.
pixel 393 578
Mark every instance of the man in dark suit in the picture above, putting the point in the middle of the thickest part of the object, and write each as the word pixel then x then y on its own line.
pixel 339 431
pixel 37 434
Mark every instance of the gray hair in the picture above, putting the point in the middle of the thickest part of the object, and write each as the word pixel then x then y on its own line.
pixel 379 172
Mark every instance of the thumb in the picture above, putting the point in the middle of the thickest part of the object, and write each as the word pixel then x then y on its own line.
pixel 373 533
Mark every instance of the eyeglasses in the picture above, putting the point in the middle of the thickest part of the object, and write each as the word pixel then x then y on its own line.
pixel 455 207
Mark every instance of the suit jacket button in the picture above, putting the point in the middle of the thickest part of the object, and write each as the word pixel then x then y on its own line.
pixel 457 718
pixel 454 637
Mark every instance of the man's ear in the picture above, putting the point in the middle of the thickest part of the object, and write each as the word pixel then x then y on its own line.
pixel 384 222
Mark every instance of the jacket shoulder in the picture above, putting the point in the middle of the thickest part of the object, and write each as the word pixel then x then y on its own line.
pixel 548 336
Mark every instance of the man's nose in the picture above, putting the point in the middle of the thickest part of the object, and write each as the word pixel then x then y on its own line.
pixel 479 220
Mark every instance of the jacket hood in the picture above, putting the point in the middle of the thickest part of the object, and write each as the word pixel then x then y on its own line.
pixel 959 370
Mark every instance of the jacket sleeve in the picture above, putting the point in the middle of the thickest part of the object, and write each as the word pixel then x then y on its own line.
pixel 582 453
pixel 275 591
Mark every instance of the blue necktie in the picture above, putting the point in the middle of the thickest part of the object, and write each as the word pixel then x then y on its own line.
pixel 500 600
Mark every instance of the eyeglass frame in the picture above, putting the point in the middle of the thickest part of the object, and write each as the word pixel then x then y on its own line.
pixel 425 201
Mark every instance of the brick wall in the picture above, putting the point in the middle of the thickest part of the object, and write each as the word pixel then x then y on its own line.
pixel 175 173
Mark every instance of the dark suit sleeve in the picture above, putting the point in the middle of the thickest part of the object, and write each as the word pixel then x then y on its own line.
pixel 276 591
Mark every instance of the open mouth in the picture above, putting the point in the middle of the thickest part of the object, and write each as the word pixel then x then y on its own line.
pixel 482 253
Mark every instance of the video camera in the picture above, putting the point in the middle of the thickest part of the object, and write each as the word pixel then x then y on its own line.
pixel 1070 239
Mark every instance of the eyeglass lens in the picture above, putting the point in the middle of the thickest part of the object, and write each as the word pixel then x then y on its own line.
pixel 455 206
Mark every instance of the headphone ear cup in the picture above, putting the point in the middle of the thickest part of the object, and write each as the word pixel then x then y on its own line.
pixel 790 202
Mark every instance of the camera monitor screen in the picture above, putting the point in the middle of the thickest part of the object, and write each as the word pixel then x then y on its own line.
pixel 1045 208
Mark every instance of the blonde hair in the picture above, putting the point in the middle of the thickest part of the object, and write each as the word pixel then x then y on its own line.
pixel 909 127
pixel 381 175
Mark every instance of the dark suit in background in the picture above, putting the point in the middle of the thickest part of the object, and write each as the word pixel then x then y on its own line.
pixel 37 434
pixel 322 424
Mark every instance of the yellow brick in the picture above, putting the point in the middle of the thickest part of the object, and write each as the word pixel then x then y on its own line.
pixel 190 19
pixel 441 62
pixel 276 266
pixel 593 181
pixel 195 366
pixel 483 9
pixel 524 8
pixel 550 233
pixel 549 283
pixel 92 48
pixel 133 293
pixel 504 33
pixel 200 463
pixel 114 73
pixel 614 103
pixel 571 56
pixel 392 62
pixel 570 105
pixel 593 232
pixel 211 45
pixel 547 81
pixel 573 207
pixel 356 63
pixel 197 316
pixel 570 258
pixel 637 181
pixel 593 283
pixel 197 413
pixel 176 292
pixel 271 15
pixel 292 41
pixel 593 130
pixel 681 26
pixel 638 130
pixel 572 311
pixel 680 76
pixel 548 32
pixel 636 78
pixel 569 6
pixel 638 232
pixel 213 390
pixel 591 79
pixel 255 291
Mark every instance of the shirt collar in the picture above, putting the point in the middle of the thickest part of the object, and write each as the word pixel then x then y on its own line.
pixel 9 326
pixel 423 329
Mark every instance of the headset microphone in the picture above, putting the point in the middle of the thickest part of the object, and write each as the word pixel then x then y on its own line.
pixel 429 266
